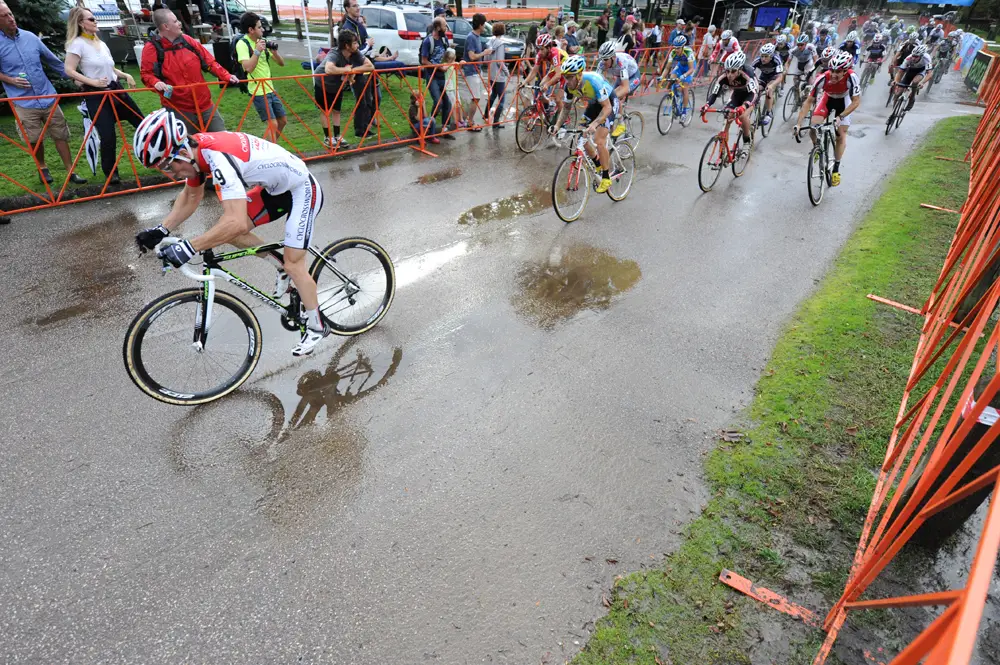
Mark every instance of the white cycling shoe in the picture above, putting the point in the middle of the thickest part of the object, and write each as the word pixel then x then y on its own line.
pixel 310 338
pixel 281 284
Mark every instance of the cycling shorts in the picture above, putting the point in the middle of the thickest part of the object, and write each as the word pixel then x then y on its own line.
pixel 911 74
pixel 798 67
pixel 767 78
pixel 593 110
pixel 634 82
pixel 300 206
pixel 838 104
pixel 739 98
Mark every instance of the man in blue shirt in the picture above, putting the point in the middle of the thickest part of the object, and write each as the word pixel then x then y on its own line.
pixel 471 91
pixel 21 56
pixel 572 42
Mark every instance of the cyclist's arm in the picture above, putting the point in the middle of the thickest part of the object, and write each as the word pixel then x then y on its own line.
pixel 187 202
pixel 805 111
pixel 855 92
pixel 550 79
pixel 233 223
pixel 531 76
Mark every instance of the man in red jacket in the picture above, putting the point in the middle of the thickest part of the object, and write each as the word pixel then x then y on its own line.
pixel 171 59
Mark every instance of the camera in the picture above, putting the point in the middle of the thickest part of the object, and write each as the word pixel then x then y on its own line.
pixel 273 46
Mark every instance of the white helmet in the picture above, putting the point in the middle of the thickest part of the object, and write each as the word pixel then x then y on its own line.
pixel 607 50
pixel 781 39
pixel 726 34
pixel 574 64
pixel 918 50
pixel 767 49
pixel 735 61
pixel 841 60
pixel 828 53
pixel 852 36
pixel 160 134
pixel 786 31
pixel 877 37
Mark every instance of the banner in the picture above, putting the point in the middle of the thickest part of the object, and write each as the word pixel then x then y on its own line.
pixel 766 16
pixel 967 50
pixel 977 72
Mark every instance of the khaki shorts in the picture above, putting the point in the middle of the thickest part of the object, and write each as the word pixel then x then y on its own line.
pixel 211 119
pixel 470 88
pixel 33 121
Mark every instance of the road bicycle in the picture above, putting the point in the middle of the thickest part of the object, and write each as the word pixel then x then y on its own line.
pixel 634 125
pixel 534 120
pixel 758 114
pixel 818 173
pixel 576 176
pixel 796 96
pixel 868 74
pixel 197 345
pixel 899 105
pixel 717 154
pixel 672 105
pixel 940 69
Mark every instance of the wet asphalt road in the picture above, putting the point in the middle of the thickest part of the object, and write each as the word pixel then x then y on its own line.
pixel 450 486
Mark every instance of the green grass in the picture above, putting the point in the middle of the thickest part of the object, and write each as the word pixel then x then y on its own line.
pixel 821 417
pixel 238 112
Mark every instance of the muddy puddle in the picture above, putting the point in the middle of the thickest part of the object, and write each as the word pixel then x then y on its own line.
pixel 438 176
pixel 534 200
pixel 571 280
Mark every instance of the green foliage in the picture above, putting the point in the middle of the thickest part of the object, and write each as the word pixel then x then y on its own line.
pixel 42 18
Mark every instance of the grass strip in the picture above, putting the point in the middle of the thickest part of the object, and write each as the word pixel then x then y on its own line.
pixel 801 477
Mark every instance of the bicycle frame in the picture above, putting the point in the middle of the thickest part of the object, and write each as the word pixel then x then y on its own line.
pixel 724 133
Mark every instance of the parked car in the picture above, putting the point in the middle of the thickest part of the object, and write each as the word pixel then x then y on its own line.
pixel 461 27
pixel 236 9
pixel 397 27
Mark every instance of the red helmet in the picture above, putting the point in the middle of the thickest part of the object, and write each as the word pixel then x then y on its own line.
pixel 544 40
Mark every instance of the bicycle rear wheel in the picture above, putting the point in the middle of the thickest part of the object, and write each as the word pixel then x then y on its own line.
pixel 530 130
pixel 816 175
pixel 742 158
pixel 164 363
pixel 765 128
pixel 355 283
pixel 634 124
pixel 622 158
pixel 571 188
pixel 665 114
pixel 791 104
pixel 711 164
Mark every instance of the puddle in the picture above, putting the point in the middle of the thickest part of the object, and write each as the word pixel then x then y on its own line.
pixel 438 176
pixel 62 314
pixel 534 200
pixel 857 133
pixel 659 168
pixel 377 164
pixel 571 280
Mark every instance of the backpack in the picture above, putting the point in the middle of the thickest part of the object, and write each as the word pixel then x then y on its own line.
pixel 237 68
pixel 161 53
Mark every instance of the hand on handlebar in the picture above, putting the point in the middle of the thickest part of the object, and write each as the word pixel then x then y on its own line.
pixel 148 239
pixel 176 254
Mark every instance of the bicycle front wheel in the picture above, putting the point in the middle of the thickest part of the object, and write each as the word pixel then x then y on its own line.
pixel 765 127
pixel 791 104
pixel 665 114
pixel 164 362
pixel 711 164
pixel 622 159
pixel 571 188
pixel 530 130
pixel 355 284
pixel 816 174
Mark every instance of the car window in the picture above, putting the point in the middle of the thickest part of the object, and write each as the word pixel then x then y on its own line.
pixel 416 22
pixel 371 16
pixel 389 20
pixel 460 28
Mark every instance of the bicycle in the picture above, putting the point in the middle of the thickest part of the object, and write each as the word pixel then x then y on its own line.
pixel 759 112
pixel 578 166
pixel 171 356
pixel 868 74
pixel 899 106
pixel 534 120
pixel 672 105
pixel 818 173
pixel 939 71
pixel 795 97
pixel 717 154
pixel 634 125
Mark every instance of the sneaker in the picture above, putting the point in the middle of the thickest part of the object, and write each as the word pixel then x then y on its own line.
pixel 604 186
pixel 835 179
pixel 619 130
pixel 335 143
pixel 766 120
pixel 281 284
pixel 310 338
pixel 685 117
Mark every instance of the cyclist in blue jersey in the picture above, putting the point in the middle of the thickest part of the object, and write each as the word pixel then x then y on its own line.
pixel 852 46
pixel 682 60
pixel 823 39
pixel 599 116
pixel 621 71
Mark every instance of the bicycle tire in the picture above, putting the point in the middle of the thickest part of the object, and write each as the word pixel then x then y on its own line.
pixel 147 316
pixel 690 107
pixel 529 130
pixel 791 104
pixel 739 171
pixel 888 102
pixel 829 148
pixel 568 175
pixel 901 113
pixel 765 129
pixel 815 183
pixel 714 145
pixel 386 292
pixel 665 114
pixel 634 126
pixel 625 156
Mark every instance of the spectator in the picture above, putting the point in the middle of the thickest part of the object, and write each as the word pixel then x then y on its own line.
pixel 472 91
pixel 340 66
pixel 451 89
pixel 572 41
pixel 254 56
pixel 498 74
pixel 353 22
pixel 84 49
pixel 427 122
pixel 585 35
pixel 560 17
pixel 677 31
pixel 21 55
pixel 550 24
pixel 559 37
pixel 627 40
pixel 619 24
pixel 171 59
pixel 530 51
pixel 603 22
pixel 705 52
pixel 689 34
pixel 654 40
pixel 432 53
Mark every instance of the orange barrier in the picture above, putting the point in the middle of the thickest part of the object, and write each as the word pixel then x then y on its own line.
pixel 292 12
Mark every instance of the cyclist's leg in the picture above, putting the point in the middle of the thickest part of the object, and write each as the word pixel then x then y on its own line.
pixel 838 105
pixel 771 87
pixel 307 201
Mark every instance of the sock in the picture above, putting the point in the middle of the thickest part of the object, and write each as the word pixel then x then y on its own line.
pixel 596 161
pixel 605 174
pixel 336 131
pixel 313 321
pixel 326 130
pixel 836 167
pixel 274 258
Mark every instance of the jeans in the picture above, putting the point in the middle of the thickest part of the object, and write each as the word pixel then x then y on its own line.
pixel 497 91
pixel 436 87
pixel 106 124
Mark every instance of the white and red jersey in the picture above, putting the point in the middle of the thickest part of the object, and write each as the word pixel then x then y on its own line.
pixel 725 50
pixel 847 86
pixel 550 58
pixel 237 162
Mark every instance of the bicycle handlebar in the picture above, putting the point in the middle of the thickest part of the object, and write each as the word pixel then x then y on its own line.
pixel 186 269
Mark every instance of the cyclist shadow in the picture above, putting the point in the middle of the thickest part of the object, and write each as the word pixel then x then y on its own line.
pixel 287 467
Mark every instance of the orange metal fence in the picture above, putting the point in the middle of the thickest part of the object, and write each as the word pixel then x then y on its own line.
pixel 390 124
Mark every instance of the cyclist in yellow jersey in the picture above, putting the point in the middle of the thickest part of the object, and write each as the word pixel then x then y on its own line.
pixel 599 116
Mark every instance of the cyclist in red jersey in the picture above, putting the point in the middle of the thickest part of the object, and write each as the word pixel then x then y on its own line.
pixel 238 164
pixel 547 64
pixel 837 89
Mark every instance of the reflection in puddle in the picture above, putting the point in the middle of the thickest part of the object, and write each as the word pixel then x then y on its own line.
pixel 438 176
pixel 532 201
pixel 377 164
pixel 572 280
pixel 411 269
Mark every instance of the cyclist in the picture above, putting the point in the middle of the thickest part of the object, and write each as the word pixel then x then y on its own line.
pixel 622 72
pixel 851 45
pixel 726 46
pixel 895 30
pixel 547 61
pixel 682 61
pixel 823 39
pixel 235 161
pixel 945 50
pixel 742 80
pixel 770 67
pixel 902 53
pixel 935 35
pixel 803 60
pixel 913 70
pixel 876 50
pixel 823 63
pixel 599 116
pixel 837 90
pixel 784 51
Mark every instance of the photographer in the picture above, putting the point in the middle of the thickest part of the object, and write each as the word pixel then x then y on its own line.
pixel 254 55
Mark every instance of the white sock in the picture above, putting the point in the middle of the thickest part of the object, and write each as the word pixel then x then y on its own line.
pixel 313 321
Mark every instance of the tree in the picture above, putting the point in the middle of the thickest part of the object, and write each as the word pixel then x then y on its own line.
pixel 275 19
pixel 458 7
pixel 42 18
pixel 329 21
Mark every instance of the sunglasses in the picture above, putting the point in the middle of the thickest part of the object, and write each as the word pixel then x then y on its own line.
pixel 91 20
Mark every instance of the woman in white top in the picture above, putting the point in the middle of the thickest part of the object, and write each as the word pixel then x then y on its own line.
pixel 705 52
pixel 86 51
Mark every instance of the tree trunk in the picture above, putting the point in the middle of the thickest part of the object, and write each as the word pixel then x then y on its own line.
pixel 329 21
pixel 574 6
pixel 275 20
pixel 458 7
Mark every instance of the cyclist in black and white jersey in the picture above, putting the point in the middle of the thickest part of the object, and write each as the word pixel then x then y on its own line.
pixel 768 63
pixel 913 71
pixel 742 80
